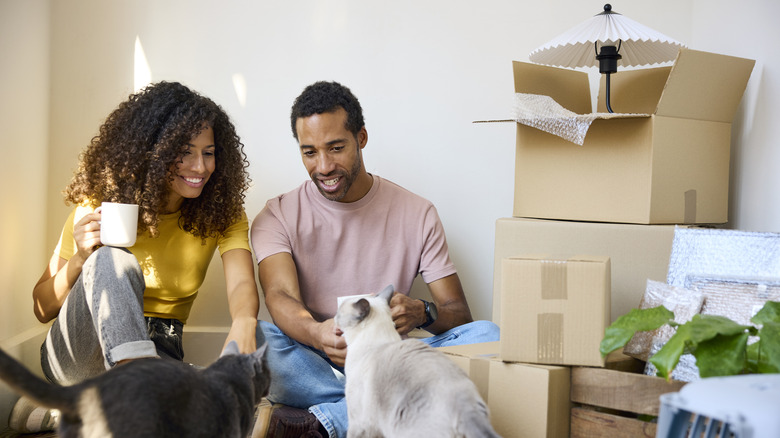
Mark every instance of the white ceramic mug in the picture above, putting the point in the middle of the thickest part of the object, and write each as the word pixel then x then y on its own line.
pixel 118 224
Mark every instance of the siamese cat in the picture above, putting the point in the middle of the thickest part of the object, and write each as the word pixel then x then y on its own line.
pixel 403 388
pixel 153 397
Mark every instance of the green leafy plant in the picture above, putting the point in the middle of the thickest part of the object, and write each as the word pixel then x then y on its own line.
pixel 719 344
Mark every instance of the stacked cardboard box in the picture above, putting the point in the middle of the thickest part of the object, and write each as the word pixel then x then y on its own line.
pixel 593 222
pixel 525 400
pixel 531 400
pixel 668 166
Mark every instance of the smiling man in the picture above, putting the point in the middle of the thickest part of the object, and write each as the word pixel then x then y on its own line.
pixel 344 232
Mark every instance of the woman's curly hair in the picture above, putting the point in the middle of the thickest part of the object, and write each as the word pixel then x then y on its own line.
pixel 132 157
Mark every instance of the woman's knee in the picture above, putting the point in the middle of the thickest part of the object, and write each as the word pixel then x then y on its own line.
pixel 120 262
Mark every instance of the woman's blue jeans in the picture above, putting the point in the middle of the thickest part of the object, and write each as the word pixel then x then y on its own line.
pixel 102 321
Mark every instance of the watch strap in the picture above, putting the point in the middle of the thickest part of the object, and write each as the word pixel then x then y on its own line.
pixel 428 317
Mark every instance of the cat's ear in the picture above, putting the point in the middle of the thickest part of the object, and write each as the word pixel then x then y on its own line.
pixel 260 352
pixel 230 349
pixel 362 308
pixel 387 293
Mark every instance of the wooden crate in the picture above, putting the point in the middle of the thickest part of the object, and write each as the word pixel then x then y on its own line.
pixel 606 402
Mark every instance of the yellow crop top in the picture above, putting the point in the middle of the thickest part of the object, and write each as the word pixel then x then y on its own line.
pixel 174 263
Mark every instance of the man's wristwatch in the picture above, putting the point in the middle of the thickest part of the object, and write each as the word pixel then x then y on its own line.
pixel 430 313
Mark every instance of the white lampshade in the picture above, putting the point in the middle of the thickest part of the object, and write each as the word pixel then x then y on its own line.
pixel 639 45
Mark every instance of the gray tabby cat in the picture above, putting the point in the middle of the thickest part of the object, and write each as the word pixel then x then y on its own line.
pixel 403 388
pixel 153 397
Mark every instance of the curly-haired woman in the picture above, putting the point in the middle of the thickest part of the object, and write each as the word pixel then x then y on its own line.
pixel 176 154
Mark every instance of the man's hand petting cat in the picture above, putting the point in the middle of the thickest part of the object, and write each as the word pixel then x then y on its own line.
pixel 333 344
pixel 408 313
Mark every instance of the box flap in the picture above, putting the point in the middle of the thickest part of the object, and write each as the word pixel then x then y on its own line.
pixel 634 91
pixel 483 349
pixel 562 258
pixel 705 86
pixel 569 88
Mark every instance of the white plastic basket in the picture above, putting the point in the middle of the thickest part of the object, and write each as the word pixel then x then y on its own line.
pixel 745 406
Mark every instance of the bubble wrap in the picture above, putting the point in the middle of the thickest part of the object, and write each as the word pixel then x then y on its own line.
pixel 736 298
pixel 683 302
pixel 736 271
pixel 544 113
pixel 719 253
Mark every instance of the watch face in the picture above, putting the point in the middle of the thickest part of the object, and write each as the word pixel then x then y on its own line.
pixel 432 310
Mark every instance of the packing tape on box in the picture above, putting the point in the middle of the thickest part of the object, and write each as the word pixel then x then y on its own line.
pixel 554 284
pixel 549 329
pixel 549 332
pixel 689 215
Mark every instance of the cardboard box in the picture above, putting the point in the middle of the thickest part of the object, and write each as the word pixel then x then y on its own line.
pixel 474 359
pixel 636 252
pixel 529 401
pixel 554 310
pixel 669 166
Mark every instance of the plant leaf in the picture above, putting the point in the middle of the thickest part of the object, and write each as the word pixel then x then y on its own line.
pixel 769 313
pixel 752 358
pixel 723 355
pixel 704 327
pixel 688 336
pixel 622 330
pixel 769 348
pixel 669 355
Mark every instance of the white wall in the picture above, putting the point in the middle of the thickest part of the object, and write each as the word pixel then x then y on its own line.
pixel 749 30
pixel 24 119
pixel 24 101
pixel 423 70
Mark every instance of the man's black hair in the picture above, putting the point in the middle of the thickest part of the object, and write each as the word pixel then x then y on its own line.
pixel 323 97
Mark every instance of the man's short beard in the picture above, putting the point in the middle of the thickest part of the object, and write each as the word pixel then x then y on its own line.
pixel 350 179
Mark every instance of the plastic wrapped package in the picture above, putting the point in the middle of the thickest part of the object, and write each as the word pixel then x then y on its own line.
pixel 736 271
pixel 683 302
pixel 738 299
pixel 735 298
pixel 719 253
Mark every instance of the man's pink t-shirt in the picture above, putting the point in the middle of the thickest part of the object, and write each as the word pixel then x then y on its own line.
pixel 387 237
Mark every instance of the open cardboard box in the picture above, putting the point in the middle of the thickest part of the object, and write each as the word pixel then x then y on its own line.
pixel 668 165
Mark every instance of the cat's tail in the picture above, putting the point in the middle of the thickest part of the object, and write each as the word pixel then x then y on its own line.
pixel 43 393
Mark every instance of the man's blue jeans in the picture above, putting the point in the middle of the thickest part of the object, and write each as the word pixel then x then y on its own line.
pixel 303 377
